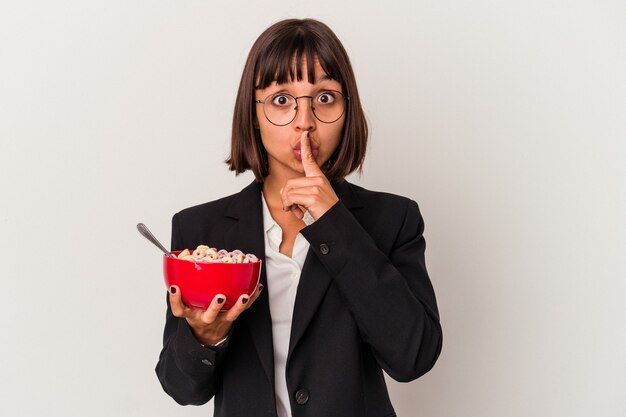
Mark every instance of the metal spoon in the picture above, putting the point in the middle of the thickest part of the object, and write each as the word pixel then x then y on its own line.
pixel 145 232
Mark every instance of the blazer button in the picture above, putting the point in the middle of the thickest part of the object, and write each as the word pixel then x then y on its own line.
pixel 324 249
pixel 302 396
pixel 207 362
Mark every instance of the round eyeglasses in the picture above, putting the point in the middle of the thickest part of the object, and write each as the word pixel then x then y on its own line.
pixel 280 109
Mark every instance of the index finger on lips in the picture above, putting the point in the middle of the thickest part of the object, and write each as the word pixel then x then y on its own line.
pixel 311 169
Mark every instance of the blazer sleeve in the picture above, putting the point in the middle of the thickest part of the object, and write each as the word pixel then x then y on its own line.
pixel 388 293
pixel 188 371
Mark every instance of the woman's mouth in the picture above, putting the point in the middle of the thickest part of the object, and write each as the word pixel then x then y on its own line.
pixel 298 153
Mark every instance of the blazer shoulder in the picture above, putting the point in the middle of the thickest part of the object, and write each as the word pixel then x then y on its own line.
pixel 233 205
pixel 201 211
pixel 201 224
pixel 386 215
pixel 381 200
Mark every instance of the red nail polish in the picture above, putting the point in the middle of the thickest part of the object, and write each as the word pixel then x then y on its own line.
pixel 173 290
pixel 220 300
pixel 244 301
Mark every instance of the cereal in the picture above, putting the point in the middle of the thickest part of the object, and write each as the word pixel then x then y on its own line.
pixel 226 259
pixel 200 252
pixel 206 254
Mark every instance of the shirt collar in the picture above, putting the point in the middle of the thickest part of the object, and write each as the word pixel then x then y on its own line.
pixel 273 234
pixel 268 220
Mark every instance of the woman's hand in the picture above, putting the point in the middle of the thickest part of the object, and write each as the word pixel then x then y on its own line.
pixel 311 192
pixel 212 325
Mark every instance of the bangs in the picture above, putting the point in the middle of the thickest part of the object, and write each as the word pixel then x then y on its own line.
pixel 284 56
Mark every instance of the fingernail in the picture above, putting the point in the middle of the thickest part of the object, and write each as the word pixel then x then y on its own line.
pixel 261 286
pixel 173 290
pixel 220 300
pixel 244 301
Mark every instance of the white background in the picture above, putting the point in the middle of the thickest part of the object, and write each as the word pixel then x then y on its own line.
pixel 505 120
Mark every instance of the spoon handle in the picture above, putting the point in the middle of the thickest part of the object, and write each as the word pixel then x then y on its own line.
pixel 145 232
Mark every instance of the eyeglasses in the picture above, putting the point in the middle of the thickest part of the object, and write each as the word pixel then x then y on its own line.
pixel 280 109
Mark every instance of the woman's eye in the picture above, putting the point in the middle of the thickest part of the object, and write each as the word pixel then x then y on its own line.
pixel 280 100
pixel 326 98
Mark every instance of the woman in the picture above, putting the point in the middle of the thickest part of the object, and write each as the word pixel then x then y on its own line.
pixel 344 291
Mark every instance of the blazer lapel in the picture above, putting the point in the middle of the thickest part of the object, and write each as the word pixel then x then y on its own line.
pixel 314 279
pixel 246 234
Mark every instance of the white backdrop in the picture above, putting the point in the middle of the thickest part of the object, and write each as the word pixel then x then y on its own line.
pixel 505 120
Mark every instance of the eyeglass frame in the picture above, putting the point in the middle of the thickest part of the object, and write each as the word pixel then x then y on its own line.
pixel 345 99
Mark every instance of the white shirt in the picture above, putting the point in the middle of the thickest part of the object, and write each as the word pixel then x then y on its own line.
pixel 283 276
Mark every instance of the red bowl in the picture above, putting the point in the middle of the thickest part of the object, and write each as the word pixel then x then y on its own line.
pixel 200 282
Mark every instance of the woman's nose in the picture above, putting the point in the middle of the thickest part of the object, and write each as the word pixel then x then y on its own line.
pixel 305 119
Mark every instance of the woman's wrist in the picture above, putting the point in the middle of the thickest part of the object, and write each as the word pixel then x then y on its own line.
pixel 211 340
pixel 211 337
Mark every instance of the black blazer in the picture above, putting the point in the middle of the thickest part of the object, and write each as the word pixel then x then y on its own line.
pixel 364 304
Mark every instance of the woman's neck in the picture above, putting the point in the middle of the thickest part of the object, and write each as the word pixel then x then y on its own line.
pixel 272 184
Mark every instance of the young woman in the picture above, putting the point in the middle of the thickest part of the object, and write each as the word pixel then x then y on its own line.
pixel 344 292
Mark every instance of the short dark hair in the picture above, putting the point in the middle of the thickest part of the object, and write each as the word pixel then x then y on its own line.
pixel 272 59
